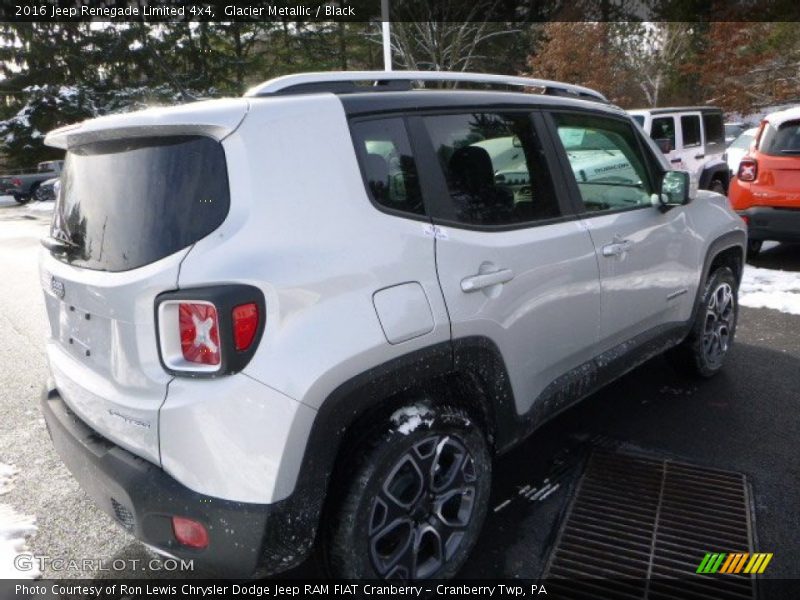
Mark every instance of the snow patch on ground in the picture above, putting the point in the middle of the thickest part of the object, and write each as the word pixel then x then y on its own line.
pixel 7 201
pixel 409 418
pixel 769 288
pixel 42 206
pixel 14 528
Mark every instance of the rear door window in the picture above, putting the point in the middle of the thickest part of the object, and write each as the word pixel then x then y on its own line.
pixel 494 168
pixel 128 203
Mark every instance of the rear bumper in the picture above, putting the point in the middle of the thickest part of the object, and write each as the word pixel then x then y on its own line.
pixel 777 224
pixel 142 498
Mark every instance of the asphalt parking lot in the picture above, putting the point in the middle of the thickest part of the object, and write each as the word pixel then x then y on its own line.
pixel 745 420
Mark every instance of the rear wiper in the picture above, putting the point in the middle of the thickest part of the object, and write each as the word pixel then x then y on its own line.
pixel 57 245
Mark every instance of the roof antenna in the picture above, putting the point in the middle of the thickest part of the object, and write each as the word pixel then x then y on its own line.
pixel 387 37
pixel 185 96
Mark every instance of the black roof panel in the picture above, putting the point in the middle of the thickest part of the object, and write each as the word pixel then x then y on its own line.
pixel 370 102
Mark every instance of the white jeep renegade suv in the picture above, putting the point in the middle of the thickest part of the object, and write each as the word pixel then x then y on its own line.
pixel 314 314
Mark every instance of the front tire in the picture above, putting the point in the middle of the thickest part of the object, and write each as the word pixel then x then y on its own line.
pixel 416 501
pixel 704 350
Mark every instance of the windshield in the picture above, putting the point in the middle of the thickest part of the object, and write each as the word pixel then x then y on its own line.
pixel 127 203
pixel 743 141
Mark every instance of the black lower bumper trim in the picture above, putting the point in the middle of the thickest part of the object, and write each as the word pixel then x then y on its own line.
pixel 142 499
pixel 775 224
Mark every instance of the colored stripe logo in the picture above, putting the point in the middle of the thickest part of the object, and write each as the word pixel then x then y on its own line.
pixel 734 563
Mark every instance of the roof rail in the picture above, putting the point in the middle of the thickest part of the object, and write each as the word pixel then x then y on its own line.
pixel 345 82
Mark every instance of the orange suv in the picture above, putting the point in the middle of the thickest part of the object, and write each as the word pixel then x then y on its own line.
pixel 766 189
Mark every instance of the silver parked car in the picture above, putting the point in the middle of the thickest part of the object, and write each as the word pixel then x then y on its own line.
pixel 314 314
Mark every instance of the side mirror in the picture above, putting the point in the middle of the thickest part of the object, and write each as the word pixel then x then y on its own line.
pixel 675 188
pixel 664 144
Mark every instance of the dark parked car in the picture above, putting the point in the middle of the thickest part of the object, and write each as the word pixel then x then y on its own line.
pixel 23 186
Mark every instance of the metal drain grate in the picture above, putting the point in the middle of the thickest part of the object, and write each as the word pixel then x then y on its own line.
pixel 638 528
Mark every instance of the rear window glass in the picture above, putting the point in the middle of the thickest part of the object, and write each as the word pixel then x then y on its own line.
pixel 127 203
pixel 781 140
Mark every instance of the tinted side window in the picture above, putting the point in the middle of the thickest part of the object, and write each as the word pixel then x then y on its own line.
pixel 690 125
pixel 663 128
pixel 606 161
pixel 128 203
pixel 387 162
pixel 715 129
pixel 494 168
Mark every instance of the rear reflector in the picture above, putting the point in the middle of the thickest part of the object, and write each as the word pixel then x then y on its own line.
pixel 245 325
pixel 748 169
pixel 199 332
pixel 190 533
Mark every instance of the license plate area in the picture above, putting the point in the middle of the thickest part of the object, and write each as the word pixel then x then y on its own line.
pixel 81 333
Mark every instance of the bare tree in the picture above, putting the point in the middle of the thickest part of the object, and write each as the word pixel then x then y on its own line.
pixel 443 36
pixel 650 51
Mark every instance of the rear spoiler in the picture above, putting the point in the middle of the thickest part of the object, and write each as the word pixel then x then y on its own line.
pixel 214 118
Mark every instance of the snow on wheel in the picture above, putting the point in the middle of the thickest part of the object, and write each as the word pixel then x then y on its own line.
pixel 416 502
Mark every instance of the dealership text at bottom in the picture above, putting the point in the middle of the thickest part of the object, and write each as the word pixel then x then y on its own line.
pixel 254 590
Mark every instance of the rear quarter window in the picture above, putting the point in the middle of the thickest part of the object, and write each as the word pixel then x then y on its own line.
pixel 715 130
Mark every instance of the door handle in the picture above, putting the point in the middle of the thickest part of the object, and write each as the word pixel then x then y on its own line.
pixel 699 156
pixel 484 280
pixel 617 248
pixel 675 160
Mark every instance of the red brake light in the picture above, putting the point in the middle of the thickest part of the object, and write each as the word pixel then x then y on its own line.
pixel 245 325
pixel 748 169
pixel 16 182
pixel 190 533
pixel 746 219
pixel 199 330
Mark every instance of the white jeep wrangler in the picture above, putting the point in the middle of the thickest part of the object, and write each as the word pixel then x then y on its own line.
pixel 249 356
pixel 692 139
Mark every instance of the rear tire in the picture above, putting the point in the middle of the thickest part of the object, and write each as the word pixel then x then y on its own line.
pixel 703 351
pixel 754 247
pixel 415 504
pixel 22 198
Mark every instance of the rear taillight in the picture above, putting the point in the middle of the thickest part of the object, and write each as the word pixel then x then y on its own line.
pixel 746 219
pixel 209 331
pixel 16 182
pixel 748 169
pixel 199 332
pixel 245 325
